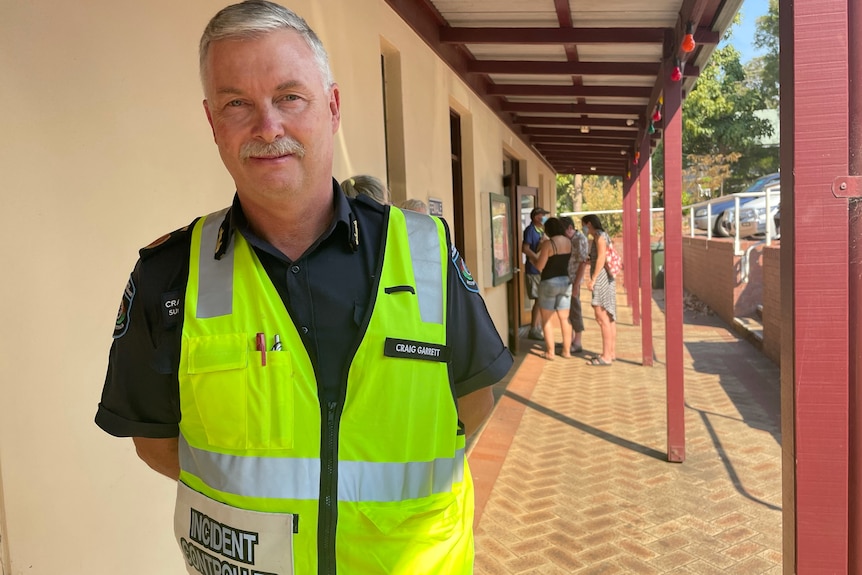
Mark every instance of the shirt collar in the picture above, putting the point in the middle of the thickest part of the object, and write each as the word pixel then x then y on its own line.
pixel 343 223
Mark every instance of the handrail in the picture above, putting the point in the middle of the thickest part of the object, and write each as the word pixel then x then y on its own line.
pixel 746 260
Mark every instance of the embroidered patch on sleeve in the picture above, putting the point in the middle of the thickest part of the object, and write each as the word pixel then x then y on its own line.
pixel 122 325
pixel 464 273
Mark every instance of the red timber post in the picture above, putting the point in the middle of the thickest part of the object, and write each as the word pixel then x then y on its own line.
pixel 814 296
pixel 630 248
pixel 673 267
pixel 645 268
pixel 854 183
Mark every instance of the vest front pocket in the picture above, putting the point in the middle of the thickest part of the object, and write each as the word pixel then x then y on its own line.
pixel 241 404
pixel 436 517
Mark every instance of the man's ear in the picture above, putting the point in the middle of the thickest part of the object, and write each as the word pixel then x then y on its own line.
pixel 210 119
pixel 335 107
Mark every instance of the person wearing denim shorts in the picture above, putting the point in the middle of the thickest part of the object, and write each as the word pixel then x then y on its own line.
pixel 555 288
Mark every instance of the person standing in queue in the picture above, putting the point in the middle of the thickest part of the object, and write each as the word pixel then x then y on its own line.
pixel 555 289
pixel 305 366
pixel 533 235
pixel 603 285
pixel 578 263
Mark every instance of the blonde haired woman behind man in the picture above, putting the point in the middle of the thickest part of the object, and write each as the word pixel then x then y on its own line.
pixel 367 186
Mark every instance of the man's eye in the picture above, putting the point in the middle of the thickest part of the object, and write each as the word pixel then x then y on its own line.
pixel 234 103
pixel 290 97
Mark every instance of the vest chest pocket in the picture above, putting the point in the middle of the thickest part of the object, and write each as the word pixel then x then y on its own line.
pixel 240 403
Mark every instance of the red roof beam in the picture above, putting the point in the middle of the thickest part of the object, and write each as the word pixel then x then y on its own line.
pixel 573 132
pixel 574 121
pixel 572 108
pixel 570 68
pixel 590 170
pixel 466 35
pixel 608 155
pixel 574 160
pixel 585 142
pixel 578 91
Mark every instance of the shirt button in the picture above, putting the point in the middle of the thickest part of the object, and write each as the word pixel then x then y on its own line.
pixel 304 330
pixel 295 269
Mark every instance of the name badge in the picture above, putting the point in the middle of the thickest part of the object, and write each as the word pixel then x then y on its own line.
pixel 407 349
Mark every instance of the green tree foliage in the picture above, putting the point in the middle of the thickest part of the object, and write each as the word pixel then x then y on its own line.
pixel 567 195
pixel 592 194
pixel 720 127
pixel 763 70
pixel 718 114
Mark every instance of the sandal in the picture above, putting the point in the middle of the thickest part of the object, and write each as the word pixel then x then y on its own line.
pixel 548 357
pixel 598 361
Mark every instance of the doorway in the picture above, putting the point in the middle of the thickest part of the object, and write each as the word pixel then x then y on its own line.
pixel 522 199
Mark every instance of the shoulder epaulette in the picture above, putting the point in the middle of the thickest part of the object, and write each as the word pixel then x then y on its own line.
pixel 159 244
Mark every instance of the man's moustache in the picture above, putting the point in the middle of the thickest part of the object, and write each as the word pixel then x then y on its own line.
pixel 280 147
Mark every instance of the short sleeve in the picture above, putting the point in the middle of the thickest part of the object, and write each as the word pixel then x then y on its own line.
pixel 478 357
pixel 140 397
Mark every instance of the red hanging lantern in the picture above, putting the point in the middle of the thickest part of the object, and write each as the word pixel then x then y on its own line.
pixel 688 43
pixel 676 74
pixel 656 117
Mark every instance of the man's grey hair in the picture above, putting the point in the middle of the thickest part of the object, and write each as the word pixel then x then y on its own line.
pixel 254 18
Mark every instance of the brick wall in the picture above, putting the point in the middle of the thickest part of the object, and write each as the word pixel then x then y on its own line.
pixel 714 274
pixel 748 295
pixel 709 271
pixel 772 302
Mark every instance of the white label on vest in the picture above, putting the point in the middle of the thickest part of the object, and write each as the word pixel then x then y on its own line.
pixel 217 539
pixel 409 349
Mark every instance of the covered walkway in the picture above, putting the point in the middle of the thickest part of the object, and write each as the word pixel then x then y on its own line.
pixel 572 474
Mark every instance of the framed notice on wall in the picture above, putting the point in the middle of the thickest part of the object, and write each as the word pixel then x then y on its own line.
pixel 502 269
pixel 435 207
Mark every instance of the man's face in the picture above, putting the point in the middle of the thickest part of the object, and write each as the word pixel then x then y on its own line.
pixel 570 232
pixel 271 116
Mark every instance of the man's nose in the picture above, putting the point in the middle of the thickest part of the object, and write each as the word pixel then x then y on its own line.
pixel 269 123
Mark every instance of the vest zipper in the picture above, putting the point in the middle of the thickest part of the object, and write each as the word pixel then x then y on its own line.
pixel 329 492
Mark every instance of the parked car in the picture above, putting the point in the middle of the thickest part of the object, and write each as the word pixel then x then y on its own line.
pixel 721 219
pixel 717 207
pixel 753 218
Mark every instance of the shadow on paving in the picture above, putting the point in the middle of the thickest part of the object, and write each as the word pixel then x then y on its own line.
pixel 750 379
pixel 752 385
pixel 586 428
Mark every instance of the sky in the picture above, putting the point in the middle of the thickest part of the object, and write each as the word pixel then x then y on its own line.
pixel 743 35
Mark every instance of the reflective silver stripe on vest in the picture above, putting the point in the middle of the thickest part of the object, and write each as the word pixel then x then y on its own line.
pixel 274 478
pixel 215 282
pixel 363 481
pixel 425 256
pixel 284 478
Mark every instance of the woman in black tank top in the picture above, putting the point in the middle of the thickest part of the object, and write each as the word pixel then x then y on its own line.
pixel 555 289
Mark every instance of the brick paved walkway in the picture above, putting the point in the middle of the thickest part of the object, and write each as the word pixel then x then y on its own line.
pixel 571 471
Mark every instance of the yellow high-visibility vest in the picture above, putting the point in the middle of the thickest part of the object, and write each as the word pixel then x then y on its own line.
pixel 274 481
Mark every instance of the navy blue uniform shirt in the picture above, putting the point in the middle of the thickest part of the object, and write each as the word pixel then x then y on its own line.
pixel 326 292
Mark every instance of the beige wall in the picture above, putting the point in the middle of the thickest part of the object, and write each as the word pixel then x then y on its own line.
pixel 105 147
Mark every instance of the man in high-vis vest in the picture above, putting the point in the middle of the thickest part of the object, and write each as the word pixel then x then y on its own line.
pixel 305 366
